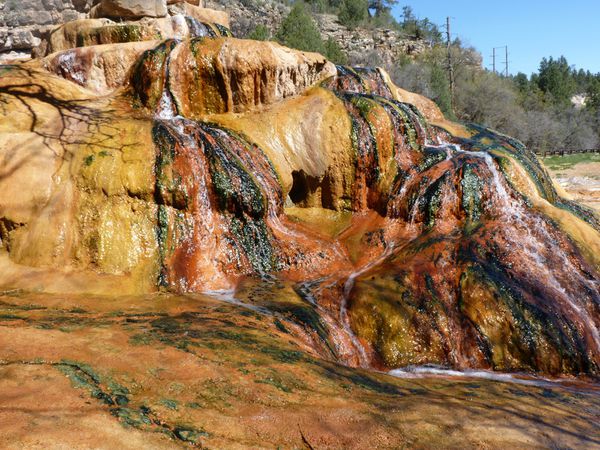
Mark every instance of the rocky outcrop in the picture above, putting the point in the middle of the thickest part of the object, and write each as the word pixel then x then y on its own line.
pixel 23 23
pixel 32 30
pixel 129 9
pixel 370 47
pixel 199 3
pixel 101 69
pixel 92 32
pixel 362 45
pixel 246 15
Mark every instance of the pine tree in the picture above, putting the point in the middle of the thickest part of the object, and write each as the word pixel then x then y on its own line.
pixel 556 79
pixel 298 30
pixel 381 6
pixel 353 12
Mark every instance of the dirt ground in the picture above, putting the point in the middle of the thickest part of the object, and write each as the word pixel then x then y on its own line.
pixel 578 175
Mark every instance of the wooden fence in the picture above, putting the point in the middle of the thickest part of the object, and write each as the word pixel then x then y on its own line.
pixel 568 152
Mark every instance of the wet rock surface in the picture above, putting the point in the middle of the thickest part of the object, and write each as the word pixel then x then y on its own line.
pixel 446 258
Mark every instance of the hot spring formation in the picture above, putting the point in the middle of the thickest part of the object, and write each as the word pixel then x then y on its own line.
pixel 197 162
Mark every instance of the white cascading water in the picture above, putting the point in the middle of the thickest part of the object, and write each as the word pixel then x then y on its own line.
pixel 513 211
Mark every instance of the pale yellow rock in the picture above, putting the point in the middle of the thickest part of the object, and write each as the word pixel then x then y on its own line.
pixel 76 191
pixel 26 158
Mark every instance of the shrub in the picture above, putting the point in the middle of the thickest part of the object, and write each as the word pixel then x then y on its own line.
pixel 334 52
pixel 298 30
pixel 353 12
pixel 260 33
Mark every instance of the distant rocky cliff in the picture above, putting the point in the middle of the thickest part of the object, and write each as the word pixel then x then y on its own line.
pixel 23 23
pixel 360 44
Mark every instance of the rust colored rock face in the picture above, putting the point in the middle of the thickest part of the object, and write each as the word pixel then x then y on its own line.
pixel 230 75
pixel 207 164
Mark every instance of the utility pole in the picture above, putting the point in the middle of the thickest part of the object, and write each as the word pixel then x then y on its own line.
pixel 450 66
pixel 505 62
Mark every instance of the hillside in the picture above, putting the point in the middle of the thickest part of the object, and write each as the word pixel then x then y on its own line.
pixel 24 23
pixel 359 43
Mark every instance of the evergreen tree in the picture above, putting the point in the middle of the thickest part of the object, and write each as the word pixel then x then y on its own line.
pixel 441 90
pixel 381 6
pixel 353 12
pixel 260 33
pixel 298 30
pixel 409 20
pixel 593 95
pixel 334 52
pixel 556 79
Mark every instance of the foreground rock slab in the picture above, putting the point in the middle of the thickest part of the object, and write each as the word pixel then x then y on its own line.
pixel 169 371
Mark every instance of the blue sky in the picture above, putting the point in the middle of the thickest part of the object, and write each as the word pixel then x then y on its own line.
pixel 532 29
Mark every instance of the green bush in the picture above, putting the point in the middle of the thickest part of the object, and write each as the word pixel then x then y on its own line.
pixel 260 33
pixel 353 12
pixel 298 30
pixel 334 52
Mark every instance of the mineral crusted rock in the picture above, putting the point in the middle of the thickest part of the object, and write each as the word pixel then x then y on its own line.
pixel 232 75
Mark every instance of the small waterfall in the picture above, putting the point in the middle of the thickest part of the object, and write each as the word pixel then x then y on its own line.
pixel 166 108
pixel 348 285
pixel 199 29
